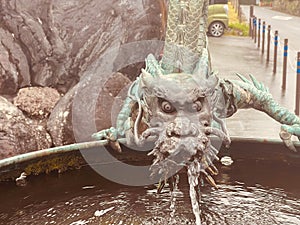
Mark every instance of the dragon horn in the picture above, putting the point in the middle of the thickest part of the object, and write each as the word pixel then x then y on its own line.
pixel 147 80
pixel 152 66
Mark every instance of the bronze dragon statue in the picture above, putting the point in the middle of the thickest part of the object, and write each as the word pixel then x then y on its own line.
pixel 179 103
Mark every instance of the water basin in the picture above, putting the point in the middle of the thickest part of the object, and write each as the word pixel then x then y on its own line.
pixel 262 186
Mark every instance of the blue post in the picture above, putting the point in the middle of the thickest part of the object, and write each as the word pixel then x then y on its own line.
pixel 275 51
pixel 269 42
pixel 255 25
pixel 258 35
pixel 251 22
pixel 285 55
pixel 298 86
pixel 263 38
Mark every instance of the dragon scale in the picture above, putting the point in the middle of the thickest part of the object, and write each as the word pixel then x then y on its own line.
pixel 185 35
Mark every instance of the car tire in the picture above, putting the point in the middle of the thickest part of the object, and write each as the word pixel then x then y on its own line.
pixel 216 29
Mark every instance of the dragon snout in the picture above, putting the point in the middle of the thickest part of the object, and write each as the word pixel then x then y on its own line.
pixel 182 127
pixel 187 138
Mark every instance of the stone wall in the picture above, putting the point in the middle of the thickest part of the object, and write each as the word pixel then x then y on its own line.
pixel 287 6
pixel 248 2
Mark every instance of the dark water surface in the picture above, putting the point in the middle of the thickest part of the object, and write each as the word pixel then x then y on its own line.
pixel 249 193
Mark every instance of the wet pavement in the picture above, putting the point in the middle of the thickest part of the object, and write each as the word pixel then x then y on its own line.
pixel 240 54
pixel 286 24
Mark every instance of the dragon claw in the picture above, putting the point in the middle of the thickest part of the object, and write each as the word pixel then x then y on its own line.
pixel 160 186
pixel 286 138
pixel 111 135
pixel 286 135
pixel 98 136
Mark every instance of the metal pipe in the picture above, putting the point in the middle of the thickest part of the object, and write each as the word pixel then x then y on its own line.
pixel 85 145
pixel 51 151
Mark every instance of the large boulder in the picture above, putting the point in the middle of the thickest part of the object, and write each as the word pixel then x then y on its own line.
pixel 14 69
pixel 37 102
pixel 59 44
pixel 19 134
pixel 52 42
pixel 90 106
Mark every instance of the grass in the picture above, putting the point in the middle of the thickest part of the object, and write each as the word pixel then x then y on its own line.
pixel 236 27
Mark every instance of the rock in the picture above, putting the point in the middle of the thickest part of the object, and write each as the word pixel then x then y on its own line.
pixel 37 102
pixel 52 43
pixel 14 68
pixel 59 124
pixel 19 134
pixel 78 49
pixel 90 106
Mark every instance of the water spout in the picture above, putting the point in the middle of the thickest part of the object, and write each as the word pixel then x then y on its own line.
pixel 193 178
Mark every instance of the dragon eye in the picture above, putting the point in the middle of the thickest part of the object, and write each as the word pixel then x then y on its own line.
pixel 197 105
pixel 167 107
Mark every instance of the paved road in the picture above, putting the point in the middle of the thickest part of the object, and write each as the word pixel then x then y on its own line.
pixel 287 25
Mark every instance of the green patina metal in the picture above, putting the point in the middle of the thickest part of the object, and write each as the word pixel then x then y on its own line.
pixel 186 52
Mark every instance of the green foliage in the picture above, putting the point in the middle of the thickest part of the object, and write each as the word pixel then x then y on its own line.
pixel 236 27
pixel 240 29
pixel 56 163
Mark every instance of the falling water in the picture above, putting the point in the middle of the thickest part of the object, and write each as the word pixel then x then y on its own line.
pixel 174 193
pixel 193 175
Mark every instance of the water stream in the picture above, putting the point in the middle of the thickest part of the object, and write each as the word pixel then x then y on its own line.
pixel 248 193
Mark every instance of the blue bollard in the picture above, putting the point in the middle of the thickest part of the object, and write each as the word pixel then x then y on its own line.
pixel 275 51
pixel 263 38
pixel 285 55
pixel 298 86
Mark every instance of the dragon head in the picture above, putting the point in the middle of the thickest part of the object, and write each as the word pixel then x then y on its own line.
pixel 177 109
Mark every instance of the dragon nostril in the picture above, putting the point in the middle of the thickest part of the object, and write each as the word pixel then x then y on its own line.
pixel 207 132
pixel 173 133
pixel 206 123
pixel 205 140
pixel 170 129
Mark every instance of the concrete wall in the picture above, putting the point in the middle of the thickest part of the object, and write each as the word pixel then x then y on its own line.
pixel 287 6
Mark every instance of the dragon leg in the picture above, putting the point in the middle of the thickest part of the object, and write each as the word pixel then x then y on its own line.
pixel 123 123
pixel 253 94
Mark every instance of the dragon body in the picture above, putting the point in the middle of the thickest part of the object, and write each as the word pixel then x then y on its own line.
pixel 179 103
